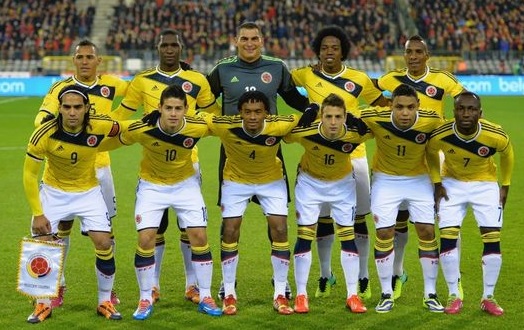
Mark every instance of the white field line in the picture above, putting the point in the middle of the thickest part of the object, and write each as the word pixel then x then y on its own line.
pixel 12 99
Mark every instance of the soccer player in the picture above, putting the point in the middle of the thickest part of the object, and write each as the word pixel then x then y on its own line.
pixel 432 85
pixel 167 179
pixel 326 178
pixel 144 91
pixel 400 176
pixel 69 188
pixel 469 177
pixel 249 70
pixel 251 141
pixel 331 45
pixel 102 90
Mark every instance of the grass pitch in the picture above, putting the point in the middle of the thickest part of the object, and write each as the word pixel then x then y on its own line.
pixel 254 272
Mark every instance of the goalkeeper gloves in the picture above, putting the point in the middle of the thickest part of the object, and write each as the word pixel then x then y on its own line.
pixel 309 115
pixel 151 118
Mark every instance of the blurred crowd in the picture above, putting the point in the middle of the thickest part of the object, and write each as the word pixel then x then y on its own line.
pixel 209 27
pixel 471 26
pixel 31 29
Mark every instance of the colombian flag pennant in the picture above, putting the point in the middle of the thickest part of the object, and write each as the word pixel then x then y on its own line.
pixel 40 267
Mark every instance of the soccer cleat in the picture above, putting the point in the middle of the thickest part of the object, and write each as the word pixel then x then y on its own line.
pixel 324 286
pixel 364 289
pixel 491 306
pixel 144 310
pixel 301 304
pixel 208 306
pixel 41 312
pixel 114 298
pixel 398 284
pixel 433 304
pixel 107 310
pixel 281 305
pixel 229 306
pixel 193 294
pixel 289 294
pixel 59 300
pixel 454 305
pixel 355 304
pixel 385 304
pixel 155 294
pixel 460 290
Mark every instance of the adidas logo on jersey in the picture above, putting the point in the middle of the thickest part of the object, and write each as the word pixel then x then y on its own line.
pixel 60 148
pixel 319 84
pixel 316 148
pixel 387 137
pixel 155 88
pixel 156 144
pixel 451 151
pixel 234 79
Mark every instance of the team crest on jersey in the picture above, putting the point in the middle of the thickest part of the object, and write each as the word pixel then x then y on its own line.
pixel 92 140
pixel 431 91
pixel 266 77
pixel 347 147
pixel 483 151
pixel 271 141
pixel 105 91
pixel 138 218
pixel 187 87
pixel 349 86
pixel 420 138
pixel 188 142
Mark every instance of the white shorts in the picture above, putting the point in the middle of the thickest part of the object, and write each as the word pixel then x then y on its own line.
pixel 88 206
pixel 236 196
pixel 484 198
pixel 184 197
pixel 361 174
pixel 105 179
pixel 339 196
pixel 389 191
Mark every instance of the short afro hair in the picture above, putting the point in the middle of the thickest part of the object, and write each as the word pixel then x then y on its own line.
pixel 334 31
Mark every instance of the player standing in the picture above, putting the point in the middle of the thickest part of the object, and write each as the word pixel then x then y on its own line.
pixel 469 177
pixel 432 86
pixel 102 89
pixel 144 91
pixel 331 45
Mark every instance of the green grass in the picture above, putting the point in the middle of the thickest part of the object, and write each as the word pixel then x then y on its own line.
pixel 254 272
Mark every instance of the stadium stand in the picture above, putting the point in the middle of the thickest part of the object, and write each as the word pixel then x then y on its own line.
pixel 488 35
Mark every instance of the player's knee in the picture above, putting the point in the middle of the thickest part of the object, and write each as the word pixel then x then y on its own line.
pixel 279 232
pixel 425 232
pixel 491 239
pixel 449 238
pixel 303 245
pixel 230 231
pixel 385 233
